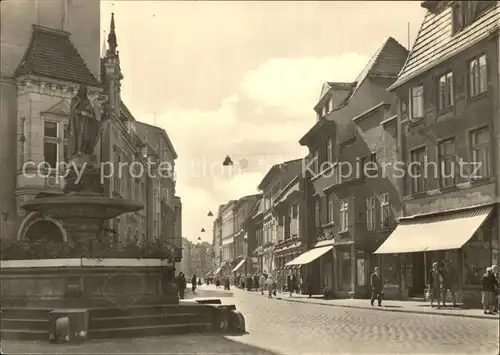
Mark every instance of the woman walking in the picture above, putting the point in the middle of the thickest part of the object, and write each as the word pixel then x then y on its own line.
pixel 270 286
pixel 436 283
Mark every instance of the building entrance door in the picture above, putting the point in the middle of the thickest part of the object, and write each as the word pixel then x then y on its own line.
pixel 418 271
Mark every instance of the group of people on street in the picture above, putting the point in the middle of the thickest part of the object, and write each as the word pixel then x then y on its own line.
pixel 442 278
pixel 181 284
pixel 269 284
pixel 490 287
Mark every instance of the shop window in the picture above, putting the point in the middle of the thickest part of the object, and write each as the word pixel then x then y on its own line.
pixel 390 270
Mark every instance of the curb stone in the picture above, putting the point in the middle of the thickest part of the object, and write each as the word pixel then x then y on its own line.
pixel 479 316
pixel 382 309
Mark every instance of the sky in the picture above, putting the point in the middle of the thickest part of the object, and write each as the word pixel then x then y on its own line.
pixel 241 79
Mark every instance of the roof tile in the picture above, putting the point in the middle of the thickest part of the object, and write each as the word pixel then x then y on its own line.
pixel 436 42
pixel 51 54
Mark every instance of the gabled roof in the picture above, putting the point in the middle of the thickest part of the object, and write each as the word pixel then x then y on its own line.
pixel 436 43
pixel 386 62
pixel 144 129
pixel 51 54
pixel 277 168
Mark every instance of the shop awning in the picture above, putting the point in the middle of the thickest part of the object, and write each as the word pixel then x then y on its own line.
pixel 310 256
pixel 240 264
pixel 435 232
pixel 217 271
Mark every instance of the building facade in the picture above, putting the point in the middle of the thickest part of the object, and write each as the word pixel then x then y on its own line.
pixel 292 212
pixel 449 124
pixel 227 237
pixel 273 182
pixel 242 210
pixel 353 213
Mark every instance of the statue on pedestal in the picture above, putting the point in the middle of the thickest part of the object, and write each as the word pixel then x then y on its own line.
pixel 83 129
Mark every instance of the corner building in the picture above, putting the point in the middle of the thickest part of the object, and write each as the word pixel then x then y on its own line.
pixel 448 113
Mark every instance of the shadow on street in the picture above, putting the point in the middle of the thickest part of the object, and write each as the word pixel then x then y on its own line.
pixel 172 344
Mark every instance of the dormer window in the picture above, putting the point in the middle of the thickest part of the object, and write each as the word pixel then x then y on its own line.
pixel 464 13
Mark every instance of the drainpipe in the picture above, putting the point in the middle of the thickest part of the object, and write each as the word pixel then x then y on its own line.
pixel 496 142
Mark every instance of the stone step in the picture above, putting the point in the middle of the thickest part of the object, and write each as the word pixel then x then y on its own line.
pixel 147 320
pixel 154 330
pixel 148 310
pixel 25 313
pixel 16 334
pixel 25 324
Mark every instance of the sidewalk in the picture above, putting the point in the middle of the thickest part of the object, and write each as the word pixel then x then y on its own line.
pixel 387 305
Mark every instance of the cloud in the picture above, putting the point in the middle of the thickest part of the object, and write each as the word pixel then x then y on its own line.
pixel 258 126
pixel 293 85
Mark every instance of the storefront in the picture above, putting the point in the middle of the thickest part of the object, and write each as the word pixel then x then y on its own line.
pixel 468 238
pixel 315 266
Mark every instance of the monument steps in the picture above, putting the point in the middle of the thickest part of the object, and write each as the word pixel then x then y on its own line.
pixel 146 331
pixel 17 334
pixel 145 320
pixel 24 323
pixel 141 321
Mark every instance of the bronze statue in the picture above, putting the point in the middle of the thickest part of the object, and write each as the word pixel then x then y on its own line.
pixel 83 129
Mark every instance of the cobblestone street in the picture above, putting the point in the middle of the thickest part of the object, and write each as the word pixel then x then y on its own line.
pixel 276 326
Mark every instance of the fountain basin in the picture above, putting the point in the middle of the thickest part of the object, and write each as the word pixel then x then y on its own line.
pixel 81 207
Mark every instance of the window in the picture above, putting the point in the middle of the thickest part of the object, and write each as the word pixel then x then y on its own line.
pixel 316 162
pixel 480 153
pixel 464 13
pixel 384 211
pixel 66 156
pixel 478 79
pixel 330 207
pixel 344 215
pixel 445 91
pixel 117 173
pixel 51 143
pixel 329 150
pixel 417 165
pixel 417 102
pixel 370 213
pixel 294 211
pixel 317 210
pixel 447 162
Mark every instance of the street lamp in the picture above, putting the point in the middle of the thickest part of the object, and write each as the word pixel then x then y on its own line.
pixel 227 161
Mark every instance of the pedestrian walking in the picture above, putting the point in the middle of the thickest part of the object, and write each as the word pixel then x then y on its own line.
pixel 436 281
pixel 270 286
pixel 290 282
pixel 217 282
pixel 450 283
pixel 181 284
pixel 262 283
pixel 496 300
pixel 193 283
pixel 489 285
pixel 377 287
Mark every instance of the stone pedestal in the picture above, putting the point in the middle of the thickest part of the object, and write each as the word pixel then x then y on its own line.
pixel 84 177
